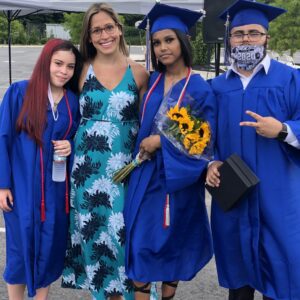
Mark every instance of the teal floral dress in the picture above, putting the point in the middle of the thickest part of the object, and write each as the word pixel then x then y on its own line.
pixel 103 144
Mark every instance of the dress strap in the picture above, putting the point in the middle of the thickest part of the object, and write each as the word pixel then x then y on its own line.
pixel 89 71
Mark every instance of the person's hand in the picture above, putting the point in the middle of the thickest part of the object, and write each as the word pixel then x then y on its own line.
pixel 62 147
pixel 150 145
pixel 213 174
pixel 144 156
pixel 6 200
pixel 267 127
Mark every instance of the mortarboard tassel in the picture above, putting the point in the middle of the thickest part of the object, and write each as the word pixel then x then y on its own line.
pixel 148 51
pixel 226 43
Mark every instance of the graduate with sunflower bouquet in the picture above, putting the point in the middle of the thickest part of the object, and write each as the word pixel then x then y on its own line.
pixel 167 231
pixel 182 126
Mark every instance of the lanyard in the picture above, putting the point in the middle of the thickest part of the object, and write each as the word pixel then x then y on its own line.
pixel 50 97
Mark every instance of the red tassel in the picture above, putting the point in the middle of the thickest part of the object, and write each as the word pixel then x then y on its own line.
pixel 167 212
pixel 67 204
pixel 43 211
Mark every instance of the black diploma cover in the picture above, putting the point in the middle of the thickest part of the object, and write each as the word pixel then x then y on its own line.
pixel 237 179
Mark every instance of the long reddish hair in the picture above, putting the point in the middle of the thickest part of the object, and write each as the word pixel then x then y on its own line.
pixel 32 117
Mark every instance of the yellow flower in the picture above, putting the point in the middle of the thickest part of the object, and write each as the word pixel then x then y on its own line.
pixel 175 113
pixel 190 139
pixel 204 132
pixel 197 148
pixel 186 125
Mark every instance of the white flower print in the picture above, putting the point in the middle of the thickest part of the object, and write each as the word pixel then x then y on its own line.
pixel 76 220
pixel 81 220
pixel 104 238
pixel 90 273
pixel 107 129
pixel 114 285
pixel 134 130
pixel 105 185
pixel 70 279
pixel 85 284
pixel 78 160
pixel 82 103
pixel 115 223
pixel 117 102
pixel 72 196
pixel 122 275
pixel 76 238
pixel 116 162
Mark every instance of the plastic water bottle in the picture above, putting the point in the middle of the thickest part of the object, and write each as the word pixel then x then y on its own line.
pixel 59 168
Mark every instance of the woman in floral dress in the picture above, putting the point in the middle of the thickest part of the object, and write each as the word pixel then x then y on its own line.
pixel 110 86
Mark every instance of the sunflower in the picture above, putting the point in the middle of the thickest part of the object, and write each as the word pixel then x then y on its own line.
pixel 190 139
pixel 186 125
pixel 175 113
pixel 204 132
pixel 197 148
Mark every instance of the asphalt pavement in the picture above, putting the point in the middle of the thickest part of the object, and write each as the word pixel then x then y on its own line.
pixel 203 287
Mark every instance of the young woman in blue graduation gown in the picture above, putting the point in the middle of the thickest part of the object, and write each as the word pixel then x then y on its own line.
pixel 37 117
pixel 158 250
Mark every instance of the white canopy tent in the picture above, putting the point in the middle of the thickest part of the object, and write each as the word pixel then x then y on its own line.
pixel 13 9
pixel 121 6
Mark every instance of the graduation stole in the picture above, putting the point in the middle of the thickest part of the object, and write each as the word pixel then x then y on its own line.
pixel 188 76
pixel 43 206
pixel 166 221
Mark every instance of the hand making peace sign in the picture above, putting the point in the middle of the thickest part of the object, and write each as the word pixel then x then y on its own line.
pixel 267 127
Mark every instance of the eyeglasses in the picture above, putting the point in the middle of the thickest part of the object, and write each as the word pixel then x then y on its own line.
pixel 109 29
pixel 253 36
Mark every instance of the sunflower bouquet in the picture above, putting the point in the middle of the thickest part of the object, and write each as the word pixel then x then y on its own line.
pixel 188 133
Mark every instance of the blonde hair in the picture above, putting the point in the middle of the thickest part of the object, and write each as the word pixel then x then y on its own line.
pixel 87 49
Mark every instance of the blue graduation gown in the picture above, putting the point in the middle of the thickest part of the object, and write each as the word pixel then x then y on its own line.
pixel 35 249
pixel 258 242
pixel 178 252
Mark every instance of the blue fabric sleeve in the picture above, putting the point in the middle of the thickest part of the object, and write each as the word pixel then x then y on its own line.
pixel 7 131
pixel 180 169
pixel 292 92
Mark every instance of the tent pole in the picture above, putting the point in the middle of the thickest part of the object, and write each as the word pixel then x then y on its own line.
pixel 9 43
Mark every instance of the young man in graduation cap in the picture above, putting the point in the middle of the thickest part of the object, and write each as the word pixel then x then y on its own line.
pixel 257 243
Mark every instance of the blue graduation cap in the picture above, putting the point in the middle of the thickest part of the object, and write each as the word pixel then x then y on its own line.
pixel 244 12
pixel 163 16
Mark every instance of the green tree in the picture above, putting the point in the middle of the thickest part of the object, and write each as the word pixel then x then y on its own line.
pixel 129 20
pixel 285 31
pixel 3 29
pixel 42 18
pixel 200 49
pixel 73 23
pixel 18 33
